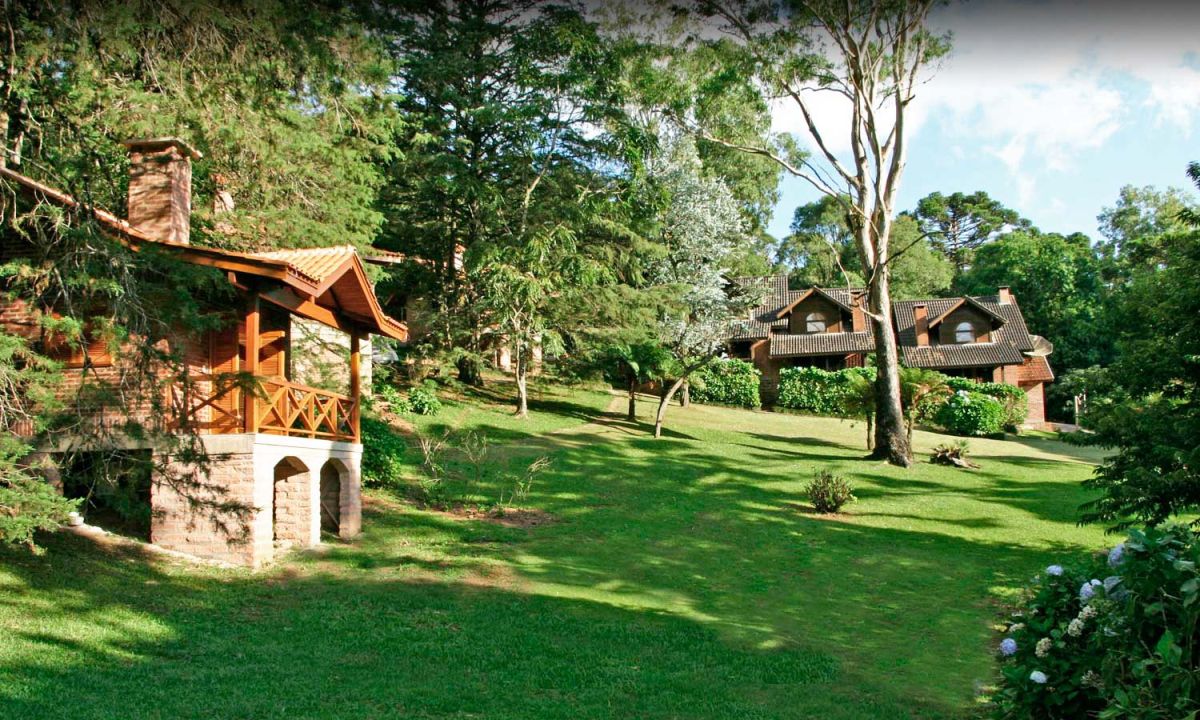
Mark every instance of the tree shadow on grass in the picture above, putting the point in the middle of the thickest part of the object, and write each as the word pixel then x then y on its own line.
pixel 679 583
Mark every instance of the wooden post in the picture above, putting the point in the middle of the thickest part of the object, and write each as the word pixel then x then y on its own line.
pixel 250 363
pixel 355 382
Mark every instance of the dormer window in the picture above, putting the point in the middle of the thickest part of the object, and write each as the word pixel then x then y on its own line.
pixel 964 332
pixel 814 322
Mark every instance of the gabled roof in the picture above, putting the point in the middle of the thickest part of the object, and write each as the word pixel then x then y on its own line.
pixel 771 314
pixel 1009 341
pixel 805 294
pixel 966 302
pixel 328 278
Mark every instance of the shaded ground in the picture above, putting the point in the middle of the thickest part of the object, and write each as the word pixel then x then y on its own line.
pixel 679 578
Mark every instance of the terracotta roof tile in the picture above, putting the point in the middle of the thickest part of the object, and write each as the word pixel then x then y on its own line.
pixel 314 263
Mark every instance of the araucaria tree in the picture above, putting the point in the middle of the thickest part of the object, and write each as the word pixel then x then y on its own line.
pixel 872 55
pixel 701 228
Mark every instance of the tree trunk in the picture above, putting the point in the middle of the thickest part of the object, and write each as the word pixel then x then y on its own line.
pixel 632 416
pixel 522 389
pixel 908 425
pixel 663 402
pixel 870 431
pixel 891 443
pixel 685 394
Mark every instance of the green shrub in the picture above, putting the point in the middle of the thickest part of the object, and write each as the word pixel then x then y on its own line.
pixel 971 413
pixel 1109 637
pixel 822 392
pixel 423 399
pixel 383 454
pixel 828 492
pixel 390 396
pixel 1012 398
pixel 727 382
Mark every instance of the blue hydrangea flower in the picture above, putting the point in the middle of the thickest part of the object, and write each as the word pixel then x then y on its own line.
pixel 1117 555
pixel 1054 570
pixel 1038 677
pixel 1008 647
pixel 1088 590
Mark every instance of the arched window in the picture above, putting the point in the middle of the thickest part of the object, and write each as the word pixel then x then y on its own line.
pixel 814 322
pixel 964 332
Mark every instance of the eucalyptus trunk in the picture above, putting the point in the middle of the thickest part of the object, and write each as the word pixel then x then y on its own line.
pixel 891 440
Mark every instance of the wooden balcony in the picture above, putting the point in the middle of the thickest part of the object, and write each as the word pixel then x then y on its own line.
pixel 280 407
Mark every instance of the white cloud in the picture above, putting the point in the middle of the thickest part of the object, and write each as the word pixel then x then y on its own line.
pixel 1036 84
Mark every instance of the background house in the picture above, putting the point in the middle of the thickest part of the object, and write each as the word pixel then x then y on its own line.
pixel 982 338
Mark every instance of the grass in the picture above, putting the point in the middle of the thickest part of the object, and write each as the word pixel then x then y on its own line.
pixel 683 578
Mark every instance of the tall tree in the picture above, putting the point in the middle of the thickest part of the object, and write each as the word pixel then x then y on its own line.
pixel 500 98
pixel 1155 422
pixel 959 223
pixel 871 55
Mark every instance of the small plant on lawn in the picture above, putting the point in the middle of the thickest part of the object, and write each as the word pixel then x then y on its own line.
pixel 423 399
pixel 828 492
pixel 474 448
pixel 953 454
pixel 1115 636
pixel 433 464
pixel 383 454
pixel 522 484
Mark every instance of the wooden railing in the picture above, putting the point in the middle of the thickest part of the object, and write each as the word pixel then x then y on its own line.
pixel 289 408
pixel 281 407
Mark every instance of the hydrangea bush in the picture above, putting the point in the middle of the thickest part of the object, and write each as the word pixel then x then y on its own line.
pixel 1014 400
pixel 1112 637
pixel 727 382
pixel 971 413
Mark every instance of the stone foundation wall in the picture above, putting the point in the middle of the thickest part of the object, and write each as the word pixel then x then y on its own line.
pixel 276 482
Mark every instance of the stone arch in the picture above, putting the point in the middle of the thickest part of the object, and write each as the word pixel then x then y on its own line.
pixel 334 477
pixel 291 506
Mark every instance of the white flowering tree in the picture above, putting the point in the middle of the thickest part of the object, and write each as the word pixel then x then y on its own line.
pixel 701 228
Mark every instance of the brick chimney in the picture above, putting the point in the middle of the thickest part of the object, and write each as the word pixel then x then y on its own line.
pixel 160 187
pixel 1006 296
pixel 921 323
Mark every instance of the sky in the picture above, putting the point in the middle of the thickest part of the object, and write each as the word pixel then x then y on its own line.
pixel 1049 106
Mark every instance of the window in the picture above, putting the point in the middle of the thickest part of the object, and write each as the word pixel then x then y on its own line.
pixel 814 322
pixel 964 332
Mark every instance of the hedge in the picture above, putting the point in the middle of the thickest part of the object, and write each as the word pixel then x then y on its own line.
pixel 818 391
pixel 727 382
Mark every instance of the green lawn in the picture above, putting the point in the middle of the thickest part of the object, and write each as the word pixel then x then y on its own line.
pixel 682 578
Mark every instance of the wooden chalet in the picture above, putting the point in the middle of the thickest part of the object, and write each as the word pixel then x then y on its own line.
pixel 289 450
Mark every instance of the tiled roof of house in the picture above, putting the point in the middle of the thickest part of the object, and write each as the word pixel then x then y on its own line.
pixel 764 318
pixel 785 345
pixel 311 271
pixel 955 356
pixel 317 264
pixel 1009 341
